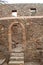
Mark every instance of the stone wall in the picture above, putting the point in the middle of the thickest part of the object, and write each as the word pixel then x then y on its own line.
pixel 22 9
pixel 34 37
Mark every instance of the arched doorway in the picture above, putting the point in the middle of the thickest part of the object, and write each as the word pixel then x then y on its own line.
pixel 15 24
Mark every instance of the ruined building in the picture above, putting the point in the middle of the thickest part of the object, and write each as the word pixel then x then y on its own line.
pixel 21 34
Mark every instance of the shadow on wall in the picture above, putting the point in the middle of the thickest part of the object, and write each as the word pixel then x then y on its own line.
pixel 4 53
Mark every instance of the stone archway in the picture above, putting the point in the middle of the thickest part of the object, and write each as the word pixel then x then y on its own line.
pixel 9 35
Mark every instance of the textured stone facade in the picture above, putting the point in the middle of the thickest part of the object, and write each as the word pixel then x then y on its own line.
pixel 26 31
pixel 33 42
pixel 22 9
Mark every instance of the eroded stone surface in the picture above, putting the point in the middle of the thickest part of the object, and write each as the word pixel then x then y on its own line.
pixel 33 37
pixel 32 63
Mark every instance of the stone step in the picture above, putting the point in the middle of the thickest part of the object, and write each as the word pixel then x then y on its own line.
pixel 16 62
pixel 16 58
pixel 17 54
pixel 17 50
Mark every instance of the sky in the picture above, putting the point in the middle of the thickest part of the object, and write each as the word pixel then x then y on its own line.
pixel 24 1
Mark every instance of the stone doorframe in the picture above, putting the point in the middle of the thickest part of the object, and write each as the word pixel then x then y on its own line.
pixel 23 32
